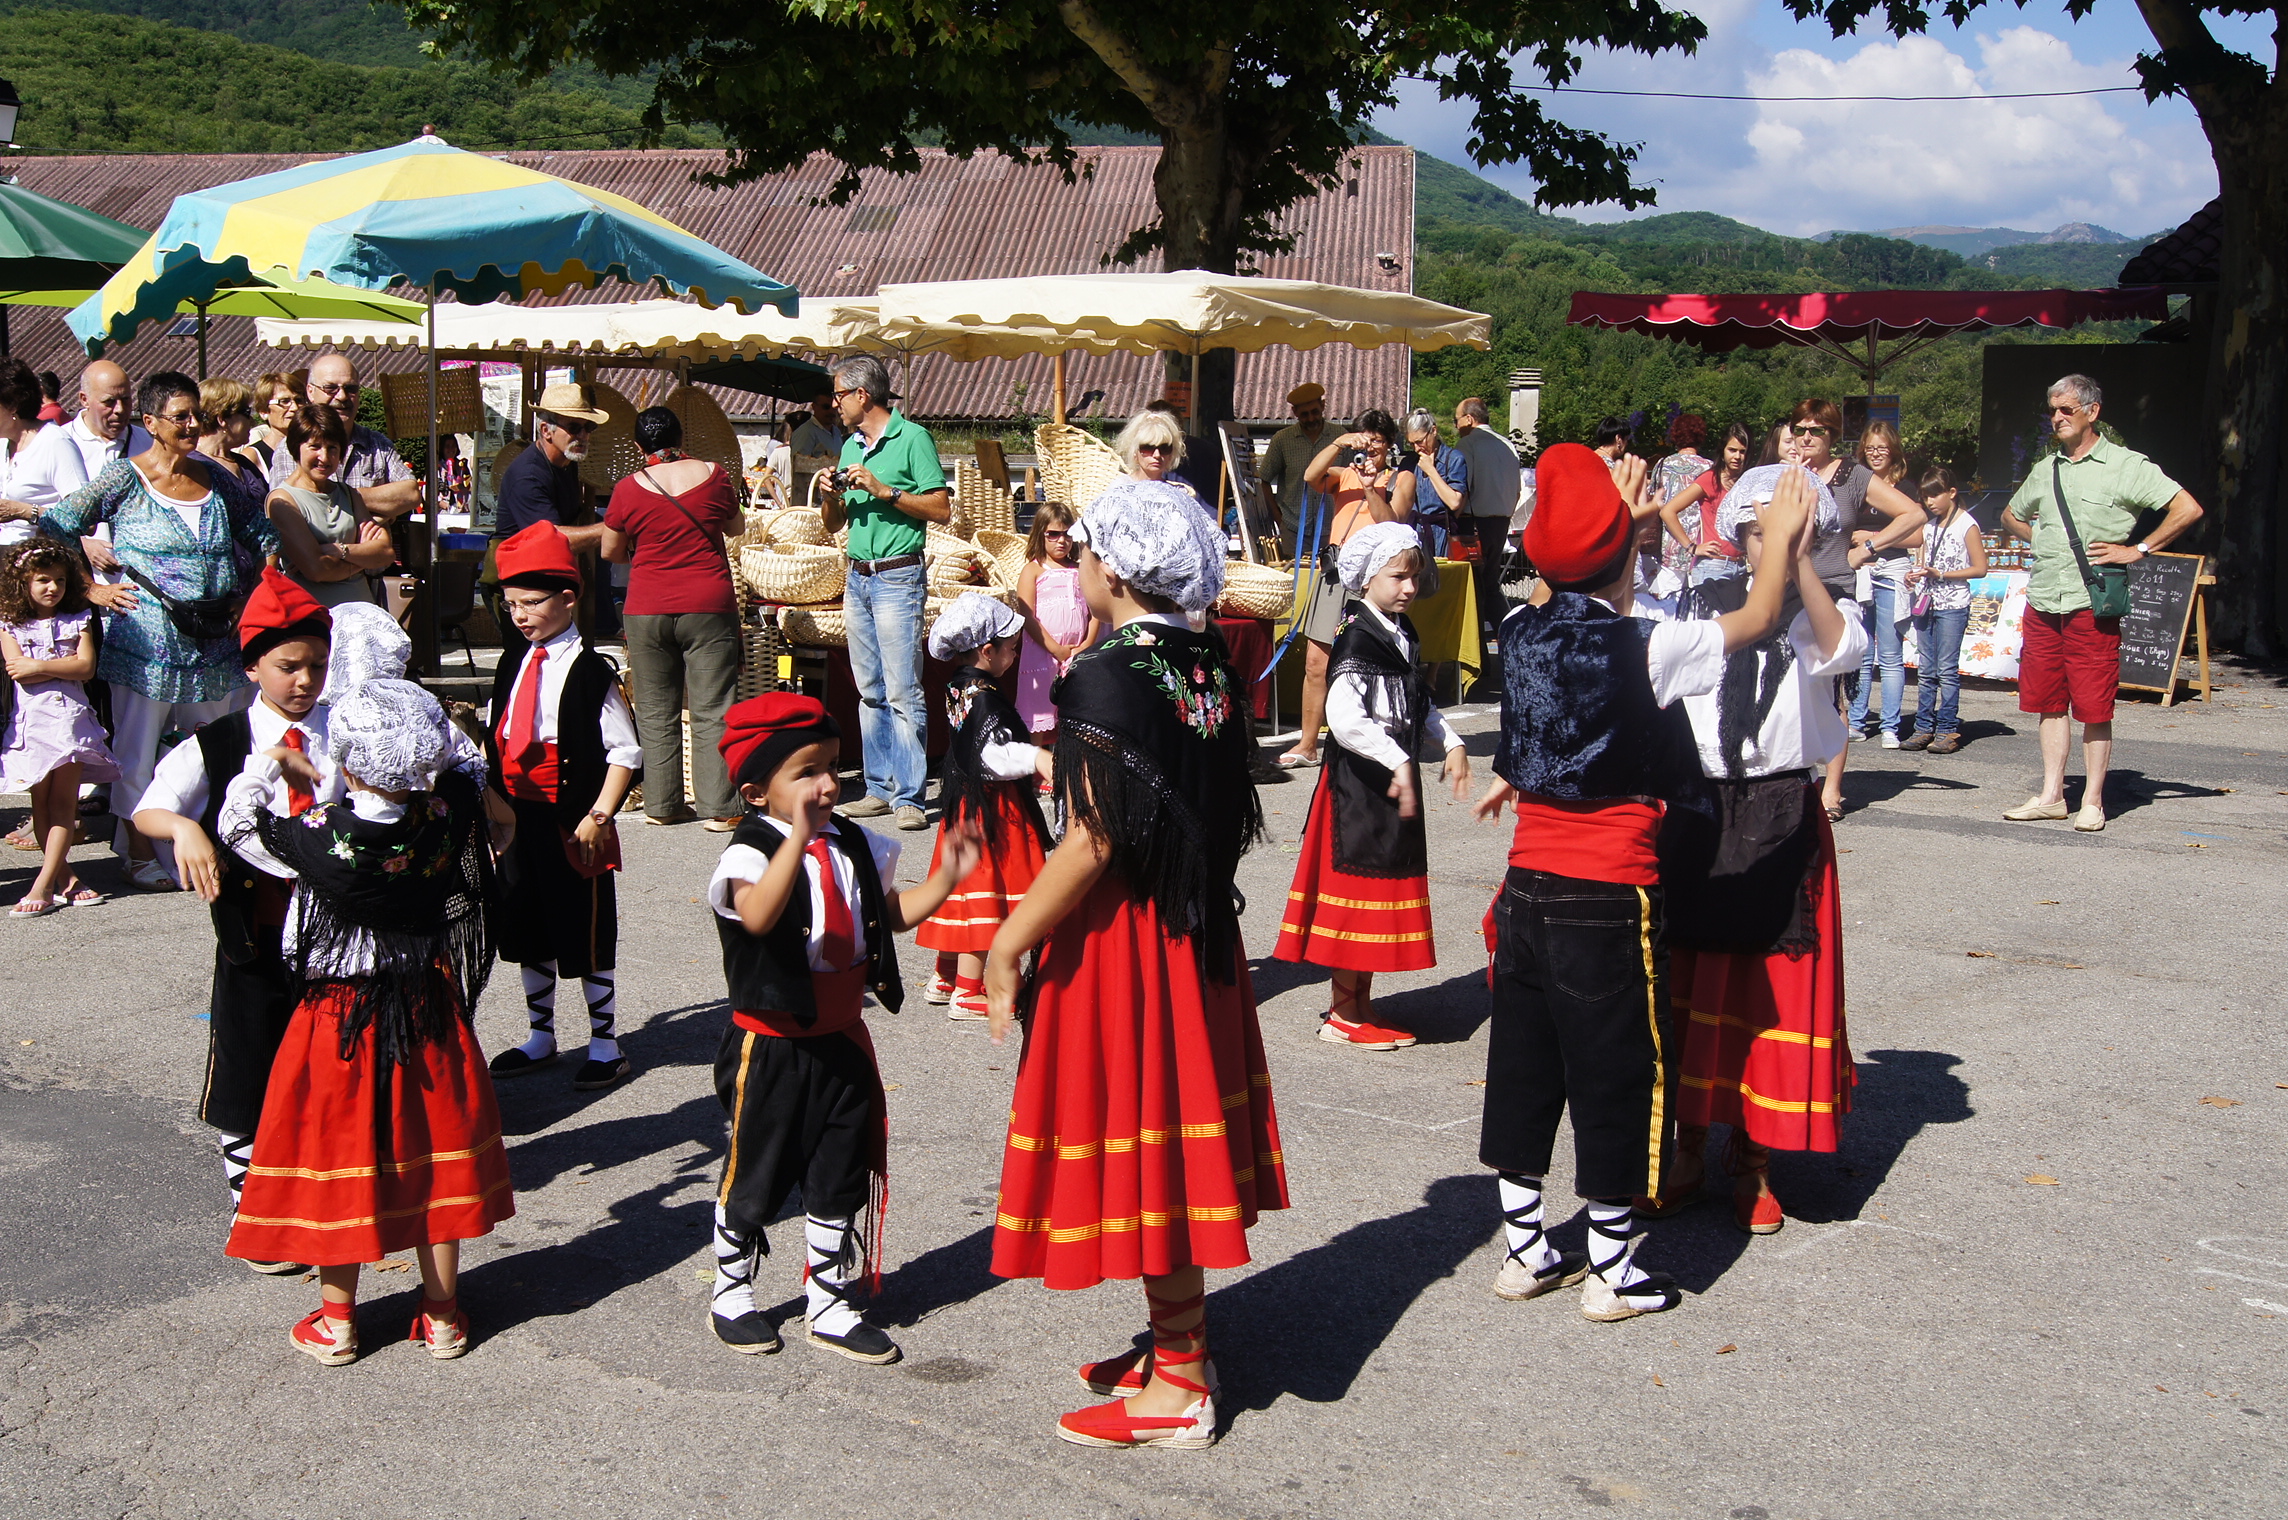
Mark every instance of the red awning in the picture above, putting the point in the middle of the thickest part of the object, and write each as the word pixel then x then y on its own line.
pixel 1726 322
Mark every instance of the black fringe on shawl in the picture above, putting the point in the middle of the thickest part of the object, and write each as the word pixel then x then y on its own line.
pixel 982 716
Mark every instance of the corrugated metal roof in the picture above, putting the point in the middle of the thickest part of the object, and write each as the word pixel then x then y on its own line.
pixel 952 220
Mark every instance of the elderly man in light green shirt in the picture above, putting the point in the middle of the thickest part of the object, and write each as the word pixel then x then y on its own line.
pixel 2070 662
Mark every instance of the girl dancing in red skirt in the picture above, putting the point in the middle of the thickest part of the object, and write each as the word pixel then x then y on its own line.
pixel 1141 1139
pixel 988 783
pixel 1755 930
pixel 378 1128
pixel 1361 898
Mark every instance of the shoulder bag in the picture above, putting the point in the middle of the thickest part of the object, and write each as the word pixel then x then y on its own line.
pixel 2108 584
pixel 204 621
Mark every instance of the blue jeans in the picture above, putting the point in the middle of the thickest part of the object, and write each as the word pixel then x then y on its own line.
pixel 1938 657
pixel 884 613
pixel 1884 649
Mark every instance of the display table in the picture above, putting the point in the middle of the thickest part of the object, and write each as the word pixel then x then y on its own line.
pixel 1991 641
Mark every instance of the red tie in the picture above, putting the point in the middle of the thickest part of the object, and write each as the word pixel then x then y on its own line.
pixel 837 940
pixel 297 800
pixel 520 740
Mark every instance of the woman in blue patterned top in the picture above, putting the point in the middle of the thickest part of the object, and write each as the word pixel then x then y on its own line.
pixel 195 532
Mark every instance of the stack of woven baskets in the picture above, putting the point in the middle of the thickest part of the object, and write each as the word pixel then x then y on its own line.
pixel 787 561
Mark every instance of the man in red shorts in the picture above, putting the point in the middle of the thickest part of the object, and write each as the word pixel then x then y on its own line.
pixel 2070 662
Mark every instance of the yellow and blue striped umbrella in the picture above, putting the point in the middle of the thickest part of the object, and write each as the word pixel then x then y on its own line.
pixel 424 213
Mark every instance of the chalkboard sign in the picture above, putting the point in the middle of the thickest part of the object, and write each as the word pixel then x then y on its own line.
pixel 1256 531
pixel 2163 591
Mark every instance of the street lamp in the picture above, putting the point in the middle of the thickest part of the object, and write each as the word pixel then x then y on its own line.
pixel 10 104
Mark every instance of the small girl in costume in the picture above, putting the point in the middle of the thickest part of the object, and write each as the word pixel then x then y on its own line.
pixel 1755 924
pixel 988 783
pixel 1059 624
pixel 1142 1141
pixel 54 740
pixel 379 1130
pixel 1361 898
pixel 806 924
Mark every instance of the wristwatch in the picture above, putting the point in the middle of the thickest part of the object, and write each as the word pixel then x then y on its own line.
pixel 602 820
pixel 2143 550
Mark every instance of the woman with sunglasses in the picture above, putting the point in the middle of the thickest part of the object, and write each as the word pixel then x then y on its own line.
pixel 226 425
pixel 1152 446
pixel 1877 517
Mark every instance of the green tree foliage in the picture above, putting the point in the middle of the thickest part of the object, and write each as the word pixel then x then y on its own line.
pixel 114 83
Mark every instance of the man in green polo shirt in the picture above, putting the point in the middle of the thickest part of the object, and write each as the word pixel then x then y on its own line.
pixel 892 485
pixel 2069 662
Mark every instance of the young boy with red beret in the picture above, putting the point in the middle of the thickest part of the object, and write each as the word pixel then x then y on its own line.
pixel 283 641
pixel 1593 747
pixel 803 906
pixel 563 752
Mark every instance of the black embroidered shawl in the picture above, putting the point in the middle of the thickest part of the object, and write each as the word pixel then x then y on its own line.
pixel 415 889
pixel 1370 838
pixel 980 714
pixel 1152 756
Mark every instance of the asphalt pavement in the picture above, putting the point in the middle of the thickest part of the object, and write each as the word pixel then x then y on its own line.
pixel 2047 1274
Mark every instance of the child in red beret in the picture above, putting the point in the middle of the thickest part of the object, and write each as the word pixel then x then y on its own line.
pixel 563 751
pixel 1593 747
pixel 805 913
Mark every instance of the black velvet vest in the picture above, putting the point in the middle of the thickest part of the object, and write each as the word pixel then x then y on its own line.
pixel 770 973
pixel 1579 722
pixel 1370 838
pixel 579 730
pixel 224 745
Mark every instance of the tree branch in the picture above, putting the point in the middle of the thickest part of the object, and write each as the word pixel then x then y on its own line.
pixel 1120 55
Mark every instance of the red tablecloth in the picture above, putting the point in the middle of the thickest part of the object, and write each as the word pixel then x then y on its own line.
pixel 1250 642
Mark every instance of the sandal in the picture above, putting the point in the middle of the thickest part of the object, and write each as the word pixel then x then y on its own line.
pixel 442 1327
pixel 80 896
pixel 35 907
pixel 1294 761
pixel 1194 1430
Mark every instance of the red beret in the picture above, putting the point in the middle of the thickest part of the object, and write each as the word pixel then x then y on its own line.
pixel 540 553
pixel 1580 524
pixel 277 605
pixel 755 722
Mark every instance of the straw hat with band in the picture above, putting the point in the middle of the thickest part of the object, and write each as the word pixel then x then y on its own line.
pixel 572 402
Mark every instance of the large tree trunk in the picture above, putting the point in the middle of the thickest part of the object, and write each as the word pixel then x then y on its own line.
pixel 2247 392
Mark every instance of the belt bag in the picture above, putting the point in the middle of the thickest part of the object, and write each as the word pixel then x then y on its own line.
pixel 205 620
pixel 2108 584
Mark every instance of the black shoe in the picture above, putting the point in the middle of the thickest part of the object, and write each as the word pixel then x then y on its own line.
pixel 594 1076
pixel 864 1343
pixel 751 1334
pixel 1266 772
pixel 515 1063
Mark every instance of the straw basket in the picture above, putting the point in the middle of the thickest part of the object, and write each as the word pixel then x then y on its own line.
pixel 1008 551
pixel 796 525
pixel 1254 591
pixel 1075 465
pixel 792 573
pixel 815 626
pixel 942 598
pixel 612 452
pixel 707 433
pixel 981 503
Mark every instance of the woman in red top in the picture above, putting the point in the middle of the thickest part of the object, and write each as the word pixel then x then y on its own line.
pixel 666 524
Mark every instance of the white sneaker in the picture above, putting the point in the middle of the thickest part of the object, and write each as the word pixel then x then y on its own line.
pixel 1890 740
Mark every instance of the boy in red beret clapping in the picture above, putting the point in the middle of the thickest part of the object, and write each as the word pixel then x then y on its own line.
pixel 1592 749
pixel 805 913
pixel 563 752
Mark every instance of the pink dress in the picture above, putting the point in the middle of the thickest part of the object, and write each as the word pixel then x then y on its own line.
pixel 1063 612
pixel 52 723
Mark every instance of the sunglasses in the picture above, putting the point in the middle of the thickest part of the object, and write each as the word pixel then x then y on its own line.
pixel 1155 448
pixel 1807 430
pixel 350 389
pixel 573 429
pixel 1055 533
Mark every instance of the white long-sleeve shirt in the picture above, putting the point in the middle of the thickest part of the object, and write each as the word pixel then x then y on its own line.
pixel 1803 728
pixel 619 725
pixel 1366 736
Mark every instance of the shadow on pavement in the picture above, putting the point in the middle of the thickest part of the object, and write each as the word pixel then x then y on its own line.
pixel 697 1122
pixel 1447 1013
pixel 1899 1092
pixel 2127 791
pixel 645 1237
pixel 938 1279
pixel 1269 1331
pixel 1866 788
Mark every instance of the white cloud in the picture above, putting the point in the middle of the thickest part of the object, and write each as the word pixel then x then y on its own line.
pixel 1810 167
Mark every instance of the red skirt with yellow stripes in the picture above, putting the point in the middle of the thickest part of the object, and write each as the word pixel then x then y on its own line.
pixel 355 1159
pixel 1351 923
pixel 1141 1137
pixel 989 894
pixel 1764 1044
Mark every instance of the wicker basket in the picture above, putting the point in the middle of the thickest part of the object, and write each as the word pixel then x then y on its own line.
pixel 1008 551
pixel 792 573
pixel 707 433
pixel 816 626
pixel 1254 591
pixel 1075 465
pixel 612 452
pixel 797 525
pixel 941 599
pixel 760 649
pixel 982 505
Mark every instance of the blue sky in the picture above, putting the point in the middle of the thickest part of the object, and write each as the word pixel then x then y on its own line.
pixel 1800 169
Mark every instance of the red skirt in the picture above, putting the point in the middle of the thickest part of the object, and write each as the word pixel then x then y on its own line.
pixel 1764 1043
pixel 1141 1138
pixel 987 895
pixel 345 1173
pixel 1352 923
